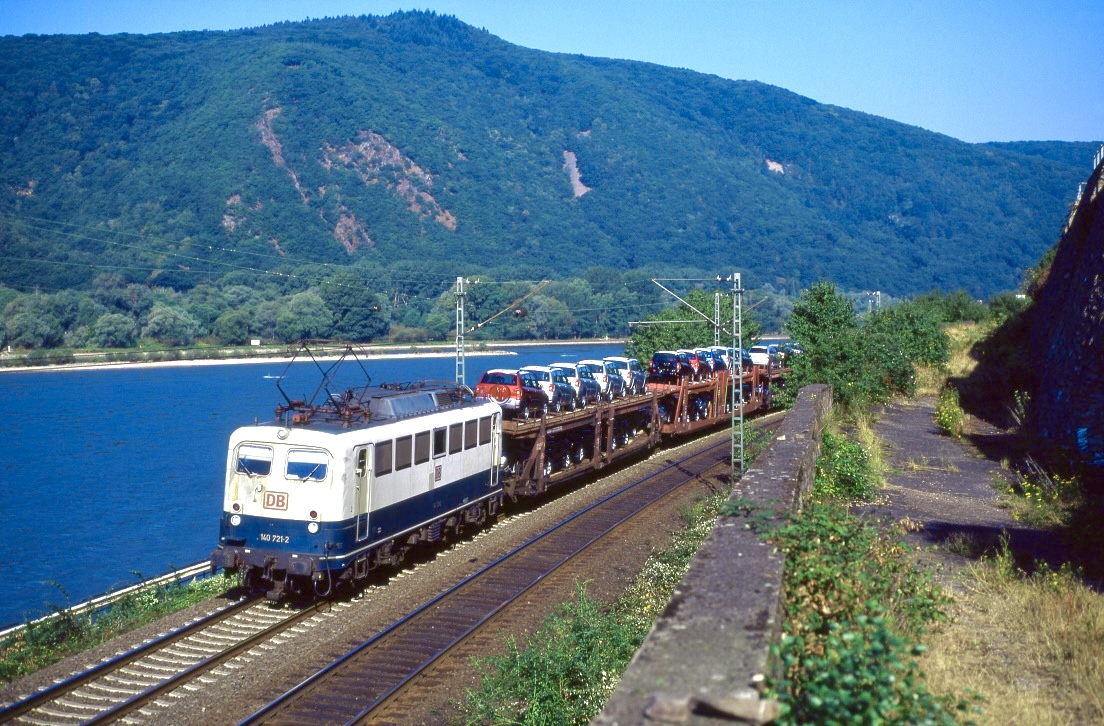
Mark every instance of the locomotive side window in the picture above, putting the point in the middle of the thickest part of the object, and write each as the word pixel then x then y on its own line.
pixel 383 458
pixel 440 442
pixel 421 447
pixel 303 465
pixel 484 430
pixel 456 438
pixel 469 434
pixel 254 460
pixel 402 453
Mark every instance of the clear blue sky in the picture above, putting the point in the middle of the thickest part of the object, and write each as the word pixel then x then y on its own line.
pixel 977 70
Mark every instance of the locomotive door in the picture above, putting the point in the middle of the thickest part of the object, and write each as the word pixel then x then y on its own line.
pixel 361 475
pixel 496 453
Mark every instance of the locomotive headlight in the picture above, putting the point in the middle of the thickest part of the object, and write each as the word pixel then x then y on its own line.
pixel 235 519
pixel 313 527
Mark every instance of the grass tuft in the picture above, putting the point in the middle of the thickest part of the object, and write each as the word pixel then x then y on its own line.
pixel 1032 643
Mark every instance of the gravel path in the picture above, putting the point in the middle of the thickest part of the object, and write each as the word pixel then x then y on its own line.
pixel 944 487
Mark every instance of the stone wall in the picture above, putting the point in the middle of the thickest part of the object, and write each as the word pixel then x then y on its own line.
pixel 707 655
pixel 1067 336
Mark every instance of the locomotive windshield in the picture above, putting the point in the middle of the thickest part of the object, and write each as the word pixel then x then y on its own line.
pixel 303 465
pixel 254 460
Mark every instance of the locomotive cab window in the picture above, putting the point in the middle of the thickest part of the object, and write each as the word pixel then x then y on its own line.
pixel 484 430
pixel 469 434
pixel 254 460
pixel 440 442
pixel 303 465
pixel 421 447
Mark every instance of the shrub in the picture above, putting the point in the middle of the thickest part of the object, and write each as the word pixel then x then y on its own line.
pixel 855 609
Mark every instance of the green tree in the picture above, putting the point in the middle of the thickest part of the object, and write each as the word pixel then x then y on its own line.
pixel 170 326
pixel 113 330
pixel 233 327
pixel 306 316
pixel 29 322
pixel 863 364
pixel 266 317
pixel 358 314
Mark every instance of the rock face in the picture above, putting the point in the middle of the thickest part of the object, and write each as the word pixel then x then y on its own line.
pixel 1068 335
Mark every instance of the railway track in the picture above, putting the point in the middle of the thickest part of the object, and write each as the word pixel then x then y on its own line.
pixel 367 682
pixel 119 687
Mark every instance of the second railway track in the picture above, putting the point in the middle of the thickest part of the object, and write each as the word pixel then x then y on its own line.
pixel 365 683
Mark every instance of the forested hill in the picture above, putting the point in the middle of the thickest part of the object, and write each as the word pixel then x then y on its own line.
pixel 419 143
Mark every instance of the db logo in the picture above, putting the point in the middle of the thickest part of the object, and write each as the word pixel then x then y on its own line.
pixel 275 500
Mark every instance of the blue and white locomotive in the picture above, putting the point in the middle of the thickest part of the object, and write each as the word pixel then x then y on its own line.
pixel 328 492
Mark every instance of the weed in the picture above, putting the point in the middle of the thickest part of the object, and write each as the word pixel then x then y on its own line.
pixel 922 464
pixel 843 470
pixel 1018 409
pixel 866 435
pixel 949 416
pixel 1036 496
pixel 966 544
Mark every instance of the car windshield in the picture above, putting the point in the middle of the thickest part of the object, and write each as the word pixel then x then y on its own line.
pixel 559 377
pixel 664 358
pixel 540 375
pixel 509 379
pixel 590 368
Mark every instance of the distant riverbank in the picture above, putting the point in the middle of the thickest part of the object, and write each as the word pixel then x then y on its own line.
pixel 9 363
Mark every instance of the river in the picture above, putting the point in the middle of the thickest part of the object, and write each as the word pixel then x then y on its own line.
pixel 111 475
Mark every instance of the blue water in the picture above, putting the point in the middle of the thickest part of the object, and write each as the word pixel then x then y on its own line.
pixel 109 474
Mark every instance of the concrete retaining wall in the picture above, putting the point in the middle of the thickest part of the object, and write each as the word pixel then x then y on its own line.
pixel 707 655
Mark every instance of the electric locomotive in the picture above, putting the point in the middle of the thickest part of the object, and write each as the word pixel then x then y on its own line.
pixel 331 490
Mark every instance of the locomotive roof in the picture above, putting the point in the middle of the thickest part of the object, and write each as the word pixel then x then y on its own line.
pixel 374 405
